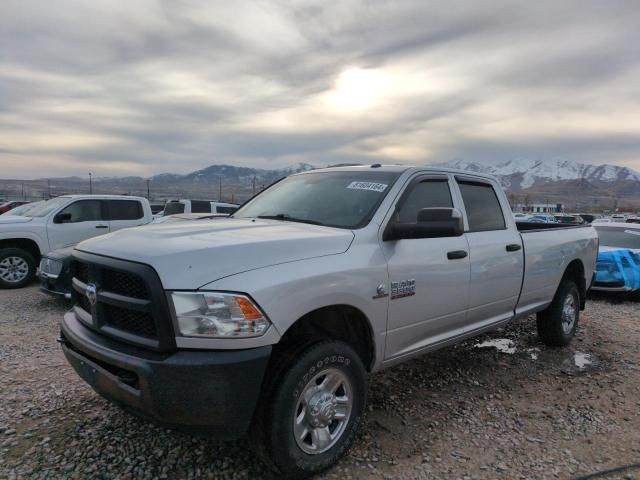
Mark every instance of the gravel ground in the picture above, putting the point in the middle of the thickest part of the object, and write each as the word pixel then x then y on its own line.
pixel 464 412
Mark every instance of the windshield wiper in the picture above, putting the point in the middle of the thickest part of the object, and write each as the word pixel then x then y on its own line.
pixel 288 218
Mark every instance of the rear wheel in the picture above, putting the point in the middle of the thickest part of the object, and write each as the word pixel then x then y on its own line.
pixel 17 267
pixel 557 324
pixel 312 414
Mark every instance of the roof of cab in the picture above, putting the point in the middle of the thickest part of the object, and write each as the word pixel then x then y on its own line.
pixel 105 196
pixel 400 168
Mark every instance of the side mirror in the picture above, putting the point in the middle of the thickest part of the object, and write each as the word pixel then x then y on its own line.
pixel 430 223
pixel 62 218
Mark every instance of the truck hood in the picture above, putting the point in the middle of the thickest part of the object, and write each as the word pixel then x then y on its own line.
pixel 188 255
pixel 4 219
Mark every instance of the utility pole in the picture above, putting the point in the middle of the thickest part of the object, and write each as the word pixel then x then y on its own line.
pixel 23 191
pixel 254 184
pixel 220 189
pixel 48 188
pixel 90 184
pixel 148 190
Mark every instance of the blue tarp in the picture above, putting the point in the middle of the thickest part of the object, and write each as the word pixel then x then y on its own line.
pixel 618 269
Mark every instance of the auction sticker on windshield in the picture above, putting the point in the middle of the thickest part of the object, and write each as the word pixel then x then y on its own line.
pixel 375 187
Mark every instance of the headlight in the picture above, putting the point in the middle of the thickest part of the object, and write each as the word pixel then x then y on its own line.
pixel 221 315
pixel 50 266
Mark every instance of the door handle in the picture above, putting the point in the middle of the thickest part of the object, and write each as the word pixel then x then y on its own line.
pixel 102 226
pixel 456 254
pixel 513 247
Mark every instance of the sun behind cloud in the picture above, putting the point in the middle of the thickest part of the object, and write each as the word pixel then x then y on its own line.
pixel 358 89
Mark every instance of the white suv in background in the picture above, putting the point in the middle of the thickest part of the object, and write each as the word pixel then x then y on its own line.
pixel 58 223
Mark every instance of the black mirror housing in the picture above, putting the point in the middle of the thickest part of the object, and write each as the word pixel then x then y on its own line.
pixel 430 223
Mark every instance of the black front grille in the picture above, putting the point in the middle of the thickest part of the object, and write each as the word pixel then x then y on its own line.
pixel 131 305
pixel 83 302
pixel 124 283
pixel 81 271
pixel 138 323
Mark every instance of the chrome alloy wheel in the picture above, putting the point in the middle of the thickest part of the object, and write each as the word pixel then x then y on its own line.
pixel 322 411
pixel 13 269
pixel 569 314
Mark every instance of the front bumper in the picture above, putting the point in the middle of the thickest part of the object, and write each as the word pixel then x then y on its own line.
pixel 214 391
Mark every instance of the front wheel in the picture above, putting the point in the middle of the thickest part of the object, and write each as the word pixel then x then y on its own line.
pixel 314 412
pixel 17 268
pixel 557 323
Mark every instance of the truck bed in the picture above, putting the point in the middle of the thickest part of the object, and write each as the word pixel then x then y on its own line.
pixel 548 248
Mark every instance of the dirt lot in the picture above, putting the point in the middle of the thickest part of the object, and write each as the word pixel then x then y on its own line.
pixel 464 412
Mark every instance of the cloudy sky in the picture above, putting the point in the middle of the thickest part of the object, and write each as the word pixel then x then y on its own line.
pixel 147 86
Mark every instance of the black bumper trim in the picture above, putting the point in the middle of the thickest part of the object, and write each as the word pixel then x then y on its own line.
pixel 213 391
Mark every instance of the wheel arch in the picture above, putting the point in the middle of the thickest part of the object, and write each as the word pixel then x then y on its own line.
pixel 575 273
pixel 337 322
pixel 27 244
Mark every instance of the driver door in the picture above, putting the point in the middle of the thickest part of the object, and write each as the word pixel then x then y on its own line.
pixel 83 219
pixel 429 284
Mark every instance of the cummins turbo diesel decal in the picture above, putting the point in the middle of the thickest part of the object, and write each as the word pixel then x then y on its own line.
pixel 403 288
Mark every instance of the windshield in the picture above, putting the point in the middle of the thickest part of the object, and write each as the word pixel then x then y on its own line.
pixel 45 208
pixel 618 237
pixel 345 199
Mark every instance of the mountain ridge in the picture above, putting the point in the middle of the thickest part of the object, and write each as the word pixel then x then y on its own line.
pixel 519 174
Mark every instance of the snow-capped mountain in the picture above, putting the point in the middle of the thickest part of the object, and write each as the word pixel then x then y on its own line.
pixel 519 174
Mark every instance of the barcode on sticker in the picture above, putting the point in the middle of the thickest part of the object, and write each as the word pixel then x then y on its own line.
pixel 375 187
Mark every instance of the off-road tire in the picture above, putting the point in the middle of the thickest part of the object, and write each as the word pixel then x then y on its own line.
pixel 274 422
pixel 550 320
pixel 27 258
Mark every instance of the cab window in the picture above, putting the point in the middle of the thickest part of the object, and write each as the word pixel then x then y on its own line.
pixel 173 208
pixel 125 210
pixel 427 193
pixel 482 206
pixel 228 210
pixel 84 211
pixel 199 206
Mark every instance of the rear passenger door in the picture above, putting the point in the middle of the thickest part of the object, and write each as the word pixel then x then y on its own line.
pixel 124 214
pixel 496 256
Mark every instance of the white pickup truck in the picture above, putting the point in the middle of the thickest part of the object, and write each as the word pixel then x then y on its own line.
pixel 59 223
pixel 269 321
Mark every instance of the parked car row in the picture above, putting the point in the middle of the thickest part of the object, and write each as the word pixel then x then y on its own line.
pixel 569 219
pixel 574 218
